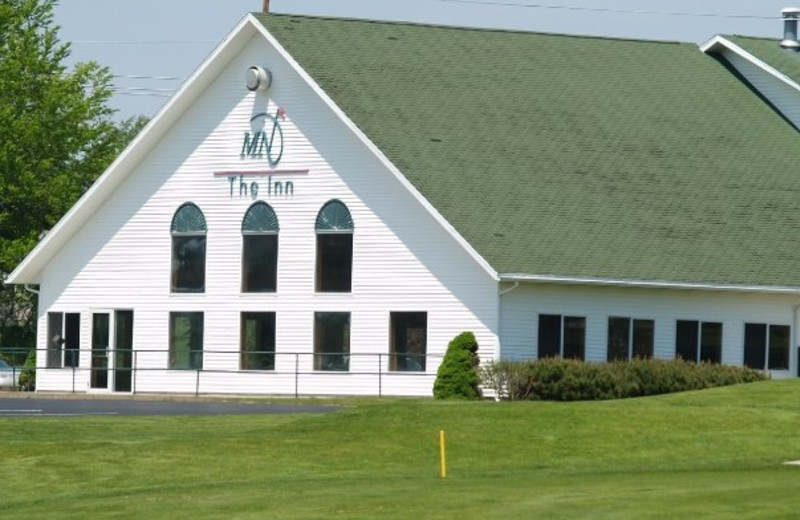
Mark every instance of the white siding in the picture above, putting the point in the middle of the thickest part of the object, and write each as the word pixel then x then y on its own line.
pixel 403 259
pixel 783 96
pixel 520 308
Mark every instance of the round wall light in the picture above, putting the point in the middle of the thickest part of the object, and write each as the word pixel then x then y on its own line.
pixel 257 78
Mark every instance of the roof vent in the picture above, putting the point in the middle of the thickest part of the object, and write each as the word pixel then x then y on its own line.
pixel 791 15
pixel 257 78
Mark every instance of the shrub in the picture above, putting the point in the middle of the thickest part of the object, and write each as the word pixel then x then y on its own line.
pixel 457 377
pixel 556 379
pixel 27 378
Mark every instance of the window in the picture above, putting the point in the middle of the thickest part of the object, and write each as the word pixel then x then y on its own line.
pixel 408 341
pixel 258 341
pixel 334 268
pixel 186 340
pixel 63 339
pixel 259 249
pixel 563 336
pixel 630 338
pixel 188 249
pixel 332 341
pixel 698 341
pixel 766 346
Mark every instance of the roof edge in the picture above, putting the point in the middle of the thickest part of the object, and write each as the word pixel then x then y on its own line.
pixel 367 142
pixel 648 284
pixel 29 270
pixel 719 42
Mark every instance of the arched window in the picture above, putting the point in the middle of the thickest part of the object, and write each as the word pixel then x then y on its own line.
pixel 188 249
pixel 334 269
pixel 259 249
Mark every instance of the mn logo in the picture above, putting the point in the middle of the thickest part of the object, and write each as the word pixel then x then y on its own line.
pixel 267 140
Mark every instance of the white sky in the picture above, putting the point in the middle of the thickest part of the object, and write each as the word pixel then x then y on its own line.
pixel 170 38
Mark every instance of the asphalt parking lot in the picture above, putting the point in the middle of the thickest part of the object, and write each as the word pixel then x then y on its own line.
pixel 71 407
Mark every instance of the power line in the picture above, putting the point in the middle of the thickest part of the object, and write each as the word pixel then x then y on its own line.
pixel 607 10
pixel 139 42
pixel 138 76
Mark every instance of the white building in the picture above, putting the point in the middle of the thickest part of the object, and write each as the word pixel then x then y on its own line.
pixel 326 203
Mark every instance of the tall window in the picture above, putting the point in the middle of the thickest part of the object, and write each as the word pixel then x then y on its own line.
pixel 258 341
pixel 409 337
pixel 259 249
pixel 188 249
pixel 630 338
pixel 334 269
pixel 698 341
pixel 562 336
pixel 332 341
pixel 186 340
pixel 766 346
pixel 63 339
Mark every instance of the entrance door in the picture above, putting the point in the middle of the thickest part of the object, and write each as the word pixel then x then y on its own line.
pixel 112 350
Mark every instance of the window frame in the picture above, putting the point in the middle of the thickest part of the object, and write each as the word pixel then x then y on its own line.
pixel 265 357
pixel 632 335
pixel 331 360
pixel 334 251
pixel 64 345
pixel 701 338
pixel 565 340
pixel 410 361
pixel 195 355
pixel 259 228
pixel 766 347
pixel 188 225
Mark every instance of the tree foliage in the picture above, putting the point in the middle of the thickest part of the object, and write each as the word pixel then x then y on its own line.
pixel 56 136
pixel 457 377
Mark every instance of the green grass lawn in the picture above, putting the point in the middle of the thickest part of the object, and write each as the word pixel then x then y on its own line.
pixel 715 454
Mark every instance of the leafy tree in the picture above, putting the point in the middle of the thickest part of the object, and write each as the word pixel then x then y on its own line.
pixel 56 136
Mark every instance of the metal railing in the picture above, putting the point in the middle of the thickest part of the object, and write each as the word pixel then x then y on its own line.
pixel 124 370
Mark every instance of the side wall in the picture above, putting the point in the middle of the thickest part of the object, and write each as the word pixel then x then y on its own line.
pixel 403 258
pixel 520 308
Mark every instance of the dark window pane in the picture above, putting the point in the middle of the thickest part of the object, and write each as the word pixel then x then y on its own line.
pixel 334 262
pixel 549 335
pixel 778 347
pixel 72 339
pixel 686 340
pixel 55 339
pixel 260 263
pixel 123 358
pixel 755 345
pixel 186 340
pixel 618 339
pixel 332 341
pixel 408 341
pixel 643 338
pixel 100 343
pixel 574 337
pixel 711 342
pixel 258 341
pixel 188 263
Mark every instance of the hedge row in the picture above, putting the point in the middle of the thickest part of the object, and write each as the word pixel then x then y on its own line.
pixel 555 379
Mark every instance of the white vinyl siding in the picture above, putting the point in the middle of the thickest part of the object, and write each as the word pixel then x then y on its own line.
pixel 404 260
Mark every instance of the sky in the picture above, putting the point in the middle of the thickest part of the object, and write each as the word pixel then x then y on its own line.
pixel 152 46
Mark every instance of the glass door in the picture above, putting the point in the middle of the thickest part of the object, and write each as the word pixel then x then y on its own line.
pixel 112 351
pixel 101 323
pixel 123 350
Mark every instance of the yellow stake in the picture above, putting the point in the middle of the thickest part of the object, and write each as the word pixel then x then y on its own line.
pixel 442 453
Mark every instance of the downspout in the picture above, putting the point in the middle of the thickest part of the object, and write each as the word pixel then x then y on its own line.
pixel 31 289
pixel 509 289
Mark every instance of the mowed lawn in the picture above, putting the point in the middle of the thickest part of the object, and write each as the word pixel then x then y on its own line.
pixel 714 454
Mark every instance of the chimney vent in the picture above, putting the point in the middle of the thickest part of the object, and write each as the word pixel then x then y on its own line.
pixel 791 15
pixel 266 6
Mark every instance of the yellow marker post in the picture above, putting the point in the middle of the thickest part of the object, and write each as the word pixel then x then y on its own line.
pixel 442 454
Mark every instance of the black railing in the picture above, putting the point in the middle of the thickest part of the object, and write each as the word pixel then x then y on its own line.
pixel 93 369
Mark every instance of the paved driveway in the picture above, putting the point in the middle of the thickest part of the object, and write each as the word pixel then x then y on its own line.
pixel 55 407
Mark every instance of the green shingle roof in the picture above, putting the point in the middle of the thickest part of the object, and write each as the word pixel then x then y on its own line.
pixel 572 156
pixel 768 51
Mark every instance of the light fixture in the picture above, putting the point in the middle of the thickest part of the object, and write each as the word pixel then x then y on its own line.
pixel 257 79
